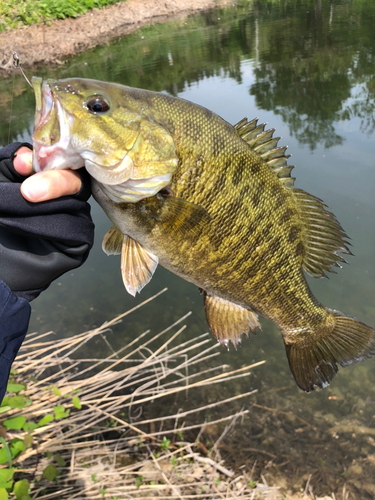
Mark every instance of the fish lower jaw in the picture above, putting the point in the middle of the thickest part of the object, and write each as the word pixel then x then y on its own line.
pixel 55 158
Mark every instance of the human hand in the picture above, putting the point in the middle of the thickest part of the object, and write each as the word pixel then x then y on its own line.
pixel 47 185
pixel 41 241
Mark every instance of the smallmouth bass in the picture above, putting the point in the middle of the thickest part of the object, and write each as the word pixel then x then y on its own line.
pixel 213 203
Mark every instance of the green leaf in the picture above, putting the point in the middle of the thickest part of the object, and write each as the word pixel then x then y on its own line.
pixel 8 485
pixel 77 402
pixel 46 419
pixel 56 391
pixel 17 402
pixel 59 459
pixel 28 441
pixel 60 412
pixel 6 475
pixel 50 472
pixel 164 445
pixel 16 388
pixel 5 454
pixel 15 423
pixel 3 494
pixel 5 409
pixel 30 426
pixel 21 489
pixel 16 447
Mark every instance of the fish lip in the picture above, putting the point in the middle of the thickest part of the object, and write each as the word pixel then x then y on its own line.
pixel 55 156
pixel 37 87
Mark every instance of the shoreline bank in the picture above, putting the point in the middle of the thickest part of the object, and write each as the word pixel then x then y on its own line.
pixel 41 44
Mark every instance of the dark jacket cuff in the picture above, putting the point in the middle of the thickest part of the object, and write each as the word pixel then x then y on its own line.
pixel 14 321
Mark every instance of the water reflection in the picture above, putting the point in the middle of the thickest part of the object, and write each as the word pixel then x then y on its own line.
pixel 307 67
pixel 306 70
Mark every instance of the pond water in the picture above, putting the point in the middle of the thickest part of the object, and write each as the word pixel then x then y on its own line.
pixel 306 67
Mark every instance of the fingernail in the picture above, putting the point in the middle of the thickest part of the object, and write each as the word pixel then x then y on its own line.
pixel 35 189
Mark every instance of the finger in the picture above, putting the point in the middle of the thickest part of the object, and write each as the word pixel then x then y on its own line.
pixel 23 161
pixel 51 184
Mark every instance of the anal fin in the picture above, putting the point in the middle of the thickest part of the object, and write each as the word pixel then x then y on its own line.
pixel 137 265
pixel 228 321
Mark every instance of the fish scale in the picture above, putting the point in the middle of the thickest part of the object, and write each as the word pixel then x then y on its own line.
pixel 213 203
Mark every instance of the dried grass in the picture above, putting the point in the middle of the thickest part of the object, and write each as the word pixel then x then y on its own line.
pixel 111 391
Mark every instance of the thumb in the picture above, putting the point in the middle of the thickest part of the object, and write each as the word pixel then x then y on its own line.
pixel 51 184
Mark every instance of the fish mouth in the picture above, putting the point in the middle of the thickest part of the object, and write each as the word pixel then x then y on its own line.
pixel 52 140
pixel 52 132
pixel 58 145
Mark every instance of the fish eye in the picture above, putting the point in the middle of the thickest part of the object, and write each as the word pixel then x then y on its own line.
pixel 98 105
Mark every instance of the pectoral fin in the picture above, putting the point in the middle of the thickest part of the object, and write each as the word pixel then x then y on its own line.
pixel 137 265
pixel 228 321
pixel 112 241
pixel 179 216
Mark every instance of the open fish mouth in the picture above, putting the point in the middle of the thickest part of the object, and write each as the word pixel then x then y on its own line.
pixel 131 162
pixel 52 132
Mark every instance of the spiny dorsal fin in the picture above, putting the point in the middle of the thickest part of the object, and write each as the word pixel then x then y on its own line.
pixel 322 235
pixel 228 321
pixel 263 143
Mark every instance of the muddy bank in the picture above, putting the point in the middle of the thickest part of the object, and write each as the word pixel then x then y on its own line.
pixel 43 44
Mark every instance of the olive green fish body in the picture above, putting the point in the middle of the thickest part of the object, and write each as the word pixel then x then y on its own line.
pixel 211 202
pixel 250 252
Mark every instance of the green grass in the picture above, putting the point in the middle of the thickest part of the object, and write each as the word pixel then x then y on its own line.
pixel 15 13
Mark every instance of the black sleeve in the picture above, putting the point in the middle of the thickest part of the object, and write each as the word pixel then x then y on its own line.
pixel 40 241
pixel 14 321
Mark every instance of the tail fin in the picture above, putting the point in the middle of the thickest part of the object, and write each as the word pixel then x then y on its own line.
pixel 348 341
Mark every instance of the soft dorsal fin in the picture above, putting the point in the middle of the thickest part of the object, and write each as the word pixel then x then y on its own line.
pixel 263 143
pixel 321 235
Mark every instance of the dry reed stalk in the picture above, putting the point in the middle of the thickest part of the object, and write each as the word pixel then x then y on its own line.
pixel 154 369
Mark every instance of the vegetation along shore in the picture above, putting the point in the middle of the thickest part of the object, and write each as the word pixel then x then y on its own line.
pixel 44 38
